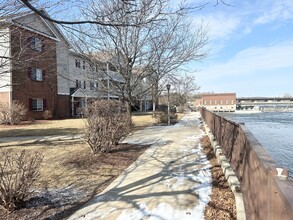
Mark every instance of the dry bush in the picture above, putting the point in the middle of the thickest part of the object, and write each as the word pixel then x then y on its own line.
pixel 12 114
pixel 107 123
pixel 181 108
pixel 48 114
pixel 162 117
pixel 18 171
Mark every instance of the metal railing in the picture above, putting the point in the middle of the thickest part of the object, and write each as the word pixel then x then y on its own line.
pixel 267 191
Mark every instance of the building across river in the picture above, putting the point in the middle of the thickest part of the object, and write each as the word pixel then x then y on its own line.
pixel 266 104
pixel 227 102
pixel 217 102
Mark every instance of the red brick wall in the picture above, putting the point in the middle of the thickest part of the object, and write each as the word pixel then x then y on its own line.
pixel 24 87
pixel 218 97
pixel 64 108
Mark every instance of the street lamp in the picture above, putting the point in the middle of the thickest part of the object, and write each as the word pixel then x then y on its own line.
pixel 168 89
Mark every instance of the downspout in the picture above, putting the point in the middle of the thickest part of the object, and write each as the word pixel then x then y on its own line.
pixel 108 82
pixel 72 106
pixel 10 71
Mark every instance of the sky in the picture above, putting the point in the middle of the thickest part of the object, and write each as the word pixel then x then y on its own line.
pixel 250 48
pixel 250 51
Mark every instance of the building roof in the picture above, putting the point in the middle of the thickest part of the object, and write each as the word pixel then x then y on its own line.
pixel 12 19
pixel 219 94
pixel 81 93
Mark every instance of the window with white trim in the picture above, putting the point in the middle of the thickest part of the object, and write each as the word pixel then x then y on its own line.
pixel 37 104
pixel 36 44
pixel 227 102
pixel 37 74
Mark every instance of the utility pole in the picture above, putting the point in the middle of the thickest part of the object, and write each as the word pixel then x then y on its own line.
pixel 168 89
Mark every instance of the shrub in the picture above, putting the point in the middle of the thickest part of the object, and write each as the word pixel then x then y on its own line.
pixel 12 114
pixel 162 117
pixel 181 108
pixel 18 171
pixel 107 123
pixel 48 114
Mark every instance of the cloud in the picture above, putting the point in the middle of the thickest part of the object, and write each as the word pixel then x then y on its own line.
pixel 226 22
pixel 222 26
pixel 253 61
pixel 278 10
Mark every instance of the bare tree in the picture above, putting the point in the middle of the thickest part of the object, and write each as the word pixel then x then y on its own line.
pixel 7 8
pixel 287 95
pixel 175 45
pixel 14 41
pixel 142 53
pixel 102 18
pixel 183 87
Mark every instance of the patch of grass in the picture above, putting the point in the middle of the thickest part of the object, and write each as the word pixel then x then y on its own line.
pixel 70 168
pixel 65 126
pixel 43 128
pixel 142 120
pixel 180 116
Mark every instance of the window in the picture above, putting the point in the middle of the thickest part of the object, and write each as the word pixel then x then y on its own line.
pixel 84 84
pixel 205 102
pixel 216 102
pixel 36 44
pixel 227 102
pixel 36 74
pixel 92 67
pixel 77 63
pixel 78 83
pixel 232 102
pixel 37 104
pixel 210 102
pixel 92 85
pixel 221 101
pixel 83 65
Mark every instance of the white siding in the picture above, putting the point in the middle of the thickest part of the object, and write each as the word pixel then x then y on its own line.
pixel 81 74
pixel 36 23
pixel 5 74
pixel 63 77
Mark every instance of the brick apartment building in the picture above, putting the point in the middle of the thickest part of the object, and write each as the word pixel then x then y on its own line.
pixel 29 72
pixel 217 102
pixel 39 68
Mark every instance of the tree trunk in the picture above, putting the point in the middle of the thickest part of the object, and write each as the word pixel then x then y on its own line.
pixel 128 107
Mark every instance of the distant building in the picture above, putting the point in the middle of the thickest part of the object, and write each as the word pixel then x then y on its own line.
pixel 217 102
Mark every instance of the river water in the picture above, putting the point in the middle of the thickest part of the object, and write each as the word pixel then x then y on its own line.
pixel 274 130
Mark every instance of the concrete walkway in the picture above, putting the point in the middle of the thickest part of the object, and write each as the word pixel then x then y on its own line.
pixel 170 180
